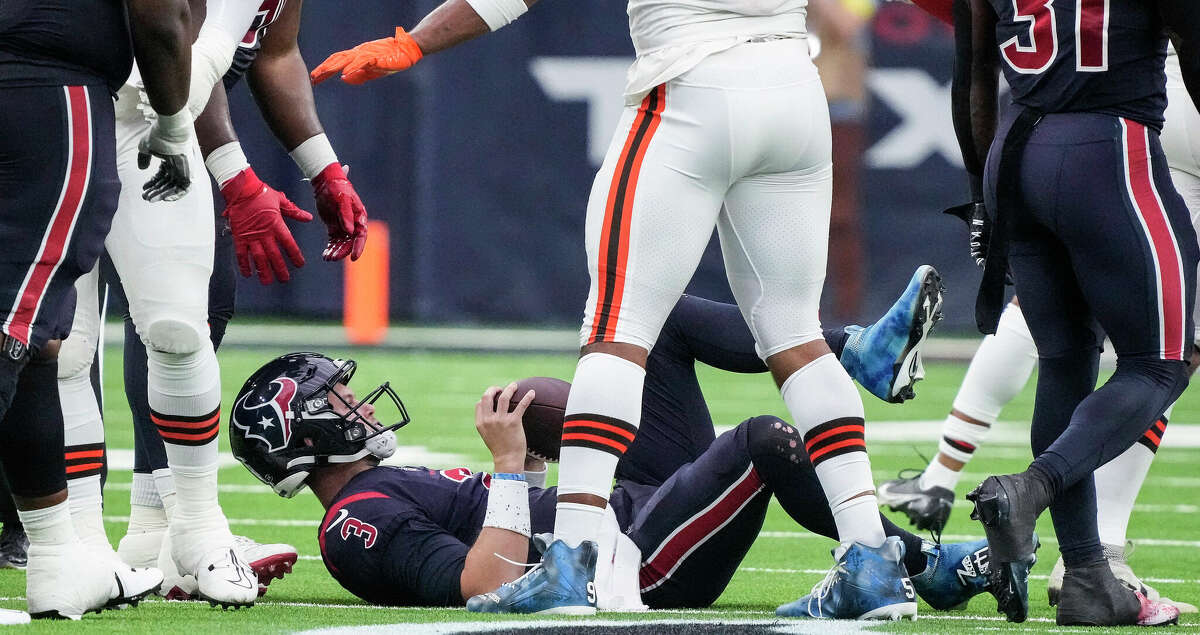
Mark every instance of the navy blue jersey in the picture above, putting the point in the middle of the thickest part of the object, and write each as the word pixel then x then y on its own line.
pixel 64 43
pixel 1102 56
pixel 247 49
pixel 400 535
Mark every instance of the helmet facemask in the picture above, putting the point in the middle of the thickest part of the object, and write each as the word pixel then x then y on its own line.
pixel 354 435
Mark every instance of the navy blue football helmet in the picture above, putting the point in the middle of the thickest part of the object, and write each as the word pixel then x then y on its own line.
pixel 283 423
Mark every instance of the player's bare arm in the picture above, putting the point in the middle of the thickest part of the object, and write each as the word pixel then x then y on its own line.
pixel 1183 23
pixel 491 560
pixel 451 24
pixel 280 85
pixel 984 68
pixel 161 45
pixel 279 82
pixel 974 123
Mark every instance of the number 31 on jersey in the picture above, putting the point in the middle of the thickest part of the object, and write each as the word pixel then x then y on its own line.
pixel 1041 44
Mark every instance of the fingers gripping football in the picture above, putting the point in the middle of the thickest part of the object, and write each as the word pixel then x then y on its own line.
pixel 501 428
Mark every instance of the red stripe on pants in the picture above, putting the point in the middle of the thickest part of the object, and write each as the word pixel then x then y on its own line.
pixel 1168 262
pixel 62 221
pixel 663 562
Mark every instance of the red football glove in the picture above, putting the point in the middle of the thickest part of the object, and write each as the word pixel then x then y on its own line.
pixel 370 60
pixel 343 212
pixel 255 213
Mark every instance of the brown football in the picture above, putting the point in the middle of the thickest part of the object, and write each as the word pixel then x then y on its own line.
pixel 543 420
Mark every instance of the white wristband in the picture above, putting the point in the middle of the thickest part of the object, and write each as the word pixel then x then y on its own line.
pixel 497 13
pixel 314 155
pixel 536 479
pixel 226 162
pixel 508 506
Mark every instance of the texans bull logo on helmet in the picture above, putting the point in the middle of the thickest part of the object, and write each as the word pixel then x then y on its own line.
pixel 271 420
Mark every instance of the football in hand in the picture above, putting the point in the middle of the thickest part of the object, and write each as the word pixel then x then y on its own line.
pixel 543 419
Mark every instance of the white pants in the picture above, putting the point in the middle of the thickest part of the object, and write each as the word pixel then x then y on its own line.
pixel 741 142
pixel 162 251
pixel 1181 143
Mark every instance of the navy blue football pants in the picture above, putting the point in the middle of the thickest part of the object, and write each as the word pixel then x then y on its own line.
pixel 1102 243
pixel 59 187
pixel 695 524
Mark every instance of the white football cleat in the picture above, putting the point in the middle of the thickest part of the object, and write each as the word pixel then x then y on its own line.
pixel 203 546
pixel 175 586
pixel 11 617
pixel 66 581
pixel 269 561
pixel 224 579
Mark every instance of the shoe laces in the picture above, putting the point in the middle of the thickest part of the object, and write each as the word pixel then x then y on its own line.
pixel 531 566
pixel 822 589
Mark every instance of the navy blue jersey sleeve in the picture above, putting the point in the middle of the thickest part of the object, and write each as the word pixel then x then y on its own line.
pixel 428 561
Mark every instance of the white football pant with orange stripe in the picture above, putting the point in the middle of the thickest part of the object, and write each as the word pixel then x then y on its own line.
pixel 163 253
pixel 740 142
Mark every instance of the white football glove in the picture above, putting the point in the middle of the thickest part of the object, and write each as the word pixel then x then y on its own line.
pixel 169 139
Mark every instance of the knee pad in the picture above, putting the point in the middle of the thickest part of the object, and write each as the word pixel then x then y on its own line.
pixel 75 356
pixel 171 335
pixel 769 436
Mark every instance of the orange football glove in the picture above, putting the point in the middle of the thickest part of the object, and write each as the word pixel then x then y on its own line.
pixel 370 60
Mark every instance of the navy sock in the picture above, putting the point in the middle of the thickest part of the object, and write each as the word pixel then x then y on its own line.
pixel 31 433
pixel 836 339
pixel 149 453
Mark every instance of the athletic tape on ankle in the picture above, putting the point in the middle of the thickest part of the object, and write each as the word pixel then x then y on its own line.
pixel 508 505
pixel 536 479
pixel 960 439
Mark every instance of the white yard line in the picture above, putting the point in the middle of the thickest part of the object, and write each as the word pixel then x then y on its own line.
pixel 1148 542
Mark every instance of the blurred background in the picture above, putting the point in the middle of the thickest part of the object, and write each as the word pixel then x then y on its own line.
pixel 480 161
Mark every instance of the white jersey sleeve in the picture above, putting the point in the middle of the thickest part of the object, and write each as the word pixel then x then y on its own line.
pixel 224 27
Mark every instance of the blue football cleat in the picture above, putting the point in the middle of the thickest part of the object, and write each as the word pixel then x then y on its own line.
pixel 563 583
pixel 955 573
pixel 885 357
pixel 864 584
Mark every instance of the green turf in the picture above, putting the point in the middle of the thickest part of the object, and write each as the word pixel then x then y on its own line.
pixel 440 390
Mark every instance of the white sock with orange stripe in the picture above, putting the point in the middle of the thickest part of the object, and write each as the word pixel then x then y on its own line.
pixel 83 435
pixel 1119 481
pixel 185 404
pixel 998 372
pixel 826 407
pixel 602 416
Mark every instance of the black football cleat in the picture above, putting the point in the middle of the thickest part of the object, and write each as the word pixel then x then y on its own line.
pixel 1008 507
pixel 14 546
pixel 1092 596
pixel 928 509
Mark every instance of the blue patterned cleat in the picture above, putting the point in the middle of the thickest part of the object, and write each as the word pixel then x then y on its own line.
pixel 563 583
pixel 955 573
pixel 865 584
pixel 885 357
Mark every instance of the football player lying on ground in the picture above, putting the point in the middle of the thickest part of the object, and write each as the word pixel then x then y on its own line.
pixel 686 509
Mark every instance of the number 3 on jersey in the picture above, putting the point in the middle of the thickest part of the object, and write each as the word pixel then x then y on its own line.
pixel 1035 56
